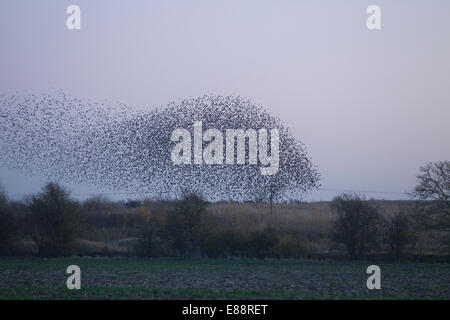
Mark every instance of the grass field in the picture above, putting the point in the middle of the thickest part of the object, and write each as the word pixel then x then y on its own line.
pixel 124 278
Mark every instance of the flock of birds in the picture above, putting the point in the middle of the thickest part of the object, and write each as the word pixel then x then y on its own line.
pixel 65 139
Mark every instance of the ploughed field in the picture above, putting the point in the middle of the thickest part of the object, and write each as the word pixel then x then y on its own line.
pixel 135 278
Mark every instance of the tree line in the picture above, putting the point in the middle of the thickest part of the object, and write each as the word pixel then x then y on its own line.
pixel 53 222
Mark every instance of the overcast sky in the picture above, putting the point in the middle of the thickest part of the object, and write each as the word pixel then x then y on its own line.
pixel 371 106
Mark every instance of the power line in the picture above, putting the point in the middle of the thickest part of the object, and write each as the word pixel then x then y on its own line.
pixel 363 191
pixel 144 193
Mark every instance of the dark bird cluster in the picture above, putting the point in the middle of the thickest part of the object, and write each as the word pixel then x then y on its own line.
pixel 69 140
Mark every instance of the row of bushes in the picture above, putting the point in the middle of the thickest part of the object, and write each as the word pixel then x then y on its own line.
pixel 55 223
pixel 260 244
pixel 359 228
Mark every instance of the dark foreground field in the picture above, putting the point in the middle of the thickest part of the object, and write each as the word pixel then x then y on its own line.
pixel 124 278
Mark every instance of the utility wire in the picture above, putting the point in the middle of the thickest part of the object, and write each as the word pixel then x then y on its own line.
pixel 363 191
pixel 143 193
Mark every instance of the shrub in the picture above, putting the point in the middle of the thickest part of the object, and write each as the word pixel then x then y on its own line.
pixel 227 243
pixel 133 204
pixel 261 243
pixel 214 245
pixel 292 246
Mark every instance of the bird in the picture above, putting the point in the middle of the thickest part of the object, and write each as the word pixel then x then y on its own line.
pixel 121 148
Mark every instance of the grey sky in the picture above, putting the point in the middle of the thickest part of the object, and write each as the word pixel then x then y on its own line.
pixel 371 106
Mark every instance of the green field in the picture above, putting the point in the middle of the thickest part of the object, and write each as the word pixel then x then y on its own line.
pixel 129 278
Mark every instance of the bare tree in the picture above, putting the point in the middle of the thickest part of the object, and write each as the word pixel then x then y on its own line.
pixel 433 196
pixel 356 225
pixel 97 204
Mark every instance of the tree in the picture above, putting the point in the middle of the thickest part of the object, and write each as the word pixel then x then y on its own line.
pixel 356 225
pixel 188 222
pixel 97 205
pixel 152 231
pixel 397 233
pixel 7 224
pixel 433 196
pixel 54 219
